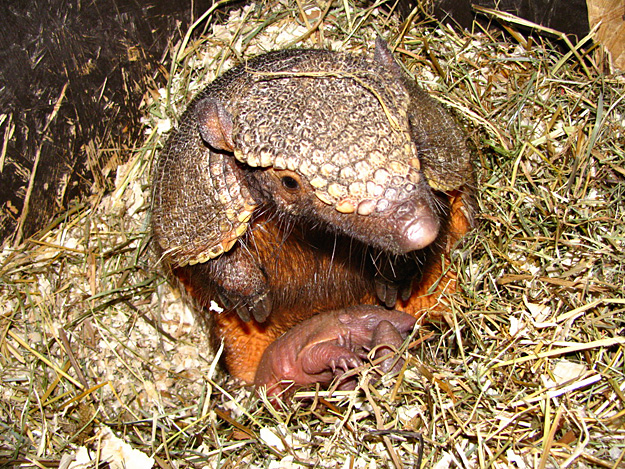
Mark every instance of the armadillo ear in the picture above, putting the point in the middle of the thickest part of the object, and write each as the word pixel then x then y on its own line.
pixel 384 57
pixel 215 124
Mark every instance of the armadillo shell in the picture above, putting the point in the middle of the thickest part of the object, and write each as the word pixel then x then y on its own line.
pixel 359 132
pixel 200 205
pixel 338 120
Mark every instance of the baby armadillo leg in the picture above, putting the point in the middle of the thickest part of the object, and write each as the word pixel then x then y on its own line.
pixel 387 339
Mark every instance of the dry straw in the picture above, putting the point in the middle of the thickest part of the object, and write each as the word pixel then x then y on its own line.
pixel 98 351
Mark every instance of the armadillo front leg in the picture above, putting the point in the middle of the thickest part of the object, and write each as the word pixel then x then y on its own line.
pixel 394 276
pixel 242 285
pixel 236 279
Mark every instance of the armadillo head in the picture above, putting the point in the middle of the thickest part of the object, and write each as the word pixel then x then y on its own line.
pixel 334 132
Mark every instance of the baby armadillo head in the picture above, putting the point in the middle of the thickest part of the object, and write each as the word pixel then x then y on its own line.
pixel 330 140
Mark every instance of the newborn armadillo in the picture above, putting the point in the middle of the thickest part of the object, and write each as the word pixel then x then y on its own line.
pixel 307 181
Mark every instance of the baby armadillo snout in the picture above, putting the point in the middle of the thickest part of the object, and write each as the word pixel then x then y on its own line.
pixel 417 226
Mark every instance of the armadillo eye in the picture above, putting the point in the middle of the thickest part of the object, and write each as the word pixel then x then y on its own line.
pixel 290 183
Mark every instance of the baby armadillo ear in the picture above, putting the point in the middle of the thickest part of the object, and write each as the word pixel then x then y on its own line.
pixel 214 124
pixel 384 57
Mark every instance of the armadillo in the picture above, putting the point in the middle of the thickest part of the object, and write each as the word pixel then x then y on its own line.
pixel 303 182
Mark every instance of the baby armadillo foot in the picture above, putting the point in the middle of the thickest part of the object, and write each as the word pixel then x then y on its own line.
pixel 386 339
pixel 329 344
pixel 325 361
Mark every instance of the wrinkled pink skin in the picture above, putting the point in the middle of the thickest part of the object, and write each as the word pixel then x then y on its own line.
pixel 329 344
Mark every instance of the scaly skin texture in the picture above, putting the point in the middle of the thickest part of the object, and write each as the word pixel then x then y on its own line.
pixel 309 181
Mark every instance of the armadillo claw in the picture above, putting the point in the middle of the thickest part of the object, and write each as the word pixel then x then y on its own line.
pixel 389 292
pixel 257 306
pixel 386 293
pixel 406 292
pixel 261 307
pixel 327 356
pixel 243 313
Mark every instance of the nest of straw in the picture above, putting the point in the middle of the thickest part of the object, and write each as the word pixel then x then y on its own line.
pixel 101 360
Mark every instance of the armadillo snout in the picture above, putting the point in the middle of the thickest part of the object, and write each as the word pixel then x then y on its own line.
pixel 420 234
pixel 417 226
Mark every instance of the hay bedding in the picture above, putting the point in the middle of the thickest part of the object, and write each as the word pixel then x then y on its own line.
pixel 102 361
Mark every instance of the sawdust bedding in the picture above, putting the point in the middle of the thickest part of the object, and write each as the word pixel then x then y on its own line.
pixel 102 360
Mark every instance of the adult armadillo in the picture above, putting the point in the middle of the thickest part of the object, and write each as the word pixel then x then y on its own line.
pixel 308 181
